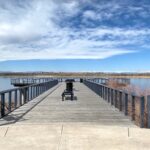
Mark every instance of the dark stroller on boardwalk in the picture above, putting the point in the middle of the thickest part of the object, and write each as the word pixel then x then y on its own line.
pixel 69 89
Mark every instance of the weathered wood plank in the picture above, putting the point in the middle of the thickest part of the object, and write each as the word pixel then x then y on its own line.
pixel 87 107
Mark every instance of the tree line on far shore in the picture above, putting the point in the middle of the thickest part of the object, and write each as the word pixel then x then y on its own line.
pixel 76 74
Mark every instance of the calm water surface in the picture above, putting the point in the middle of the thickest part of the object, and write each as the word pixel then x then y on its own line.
pixel 5 83
pixel 142 83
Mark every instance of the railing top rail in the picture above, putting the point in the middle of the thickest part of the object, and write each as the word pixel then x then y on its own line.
pixel 123 91
pixel 29 80
pixel 19 88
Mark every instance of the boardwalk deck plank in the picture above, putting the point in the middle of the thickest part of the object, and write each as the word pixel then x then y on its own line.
pixel 88 108
pixel 87 123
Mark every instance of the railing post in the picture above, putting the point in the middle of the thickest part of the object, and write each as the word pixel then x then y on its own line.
pixel 104 97
pixel 23 96
pixel 38 90
pixel 120 101
pixel 45 87
pixel 2 105
pixel 15 98
pixel 48 85
pixel 133 107
pixel 142 103
pixel 103 91
pixel 28 96
pixel 100 90
pixel 108 95
pixel 20 97
pixel 31 93
pixel 115 98
pixel 112 97
pixel 126 104
pixel 97 89
pixel 9 108
pixel 148 111
pixel 34 90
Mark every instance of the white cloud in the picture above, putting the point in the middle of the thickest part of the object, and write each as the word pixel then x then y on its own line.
pixel 90 14
pixel 35 30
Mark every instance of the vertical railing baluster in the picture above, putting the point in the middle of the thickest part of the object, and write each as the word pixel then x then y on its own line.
pixel 142 103
pixel 108 97
pixel 112 97
pixel 28 90
pixel 2 104
pixel 100 90
pixel 10 102
pixel 115 98
pixel 103 92
pixel 34 91
pixel 106 94
pixel 25 95
pixel 38 90
pixel 126 104
pixel 31 93
pixel 20 97
pixel 120 101
pixel 15 98
pixel 133 107
pixel 148 111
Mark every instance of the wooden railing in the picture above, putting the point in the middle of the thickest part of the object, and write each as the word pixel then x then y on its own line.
pixel 138 108
pixel 29 81
pixel 14 98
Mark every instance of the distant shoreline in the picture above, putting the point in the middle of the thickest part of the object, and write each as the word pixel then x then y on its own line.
pixel 75 74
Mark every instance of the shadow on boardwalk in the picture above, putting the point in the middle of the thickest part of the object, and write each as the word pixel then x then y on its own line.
pixel 19 113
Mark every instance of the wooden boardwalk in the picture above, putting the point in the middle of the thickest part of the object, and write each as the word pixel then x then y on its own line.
pixel 87 123
pixel 86 108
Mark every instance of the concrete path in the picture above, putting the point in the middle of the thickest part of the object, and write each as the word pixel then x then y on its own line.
pixel 73 137
pixel 87 123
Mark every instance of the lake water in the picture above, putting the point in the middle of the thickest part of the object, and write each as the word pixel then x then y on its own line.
pixel 5 83
pixel 142 83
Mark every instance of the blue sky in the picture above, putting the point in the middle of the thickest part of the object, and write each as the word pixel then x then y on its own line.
pixel 74 35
